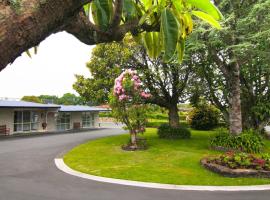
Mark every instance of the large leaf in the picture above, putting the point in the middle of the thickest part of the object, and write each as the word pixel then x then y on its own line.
pixel 207 18
pixel 129 9
pixel 86 8
pixel 170 33
pixel 102 12
pixel 148 44
pixel 151 41
pixel 146 16
pixel 207 7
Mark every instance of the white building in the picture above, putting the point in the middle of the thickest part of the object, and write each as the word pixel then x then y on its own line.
pixel 20 117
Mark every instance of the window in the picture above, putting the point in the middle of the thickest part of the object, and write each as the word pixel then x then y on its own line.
pixel 88 120
pixel 63 121
pixel 26 121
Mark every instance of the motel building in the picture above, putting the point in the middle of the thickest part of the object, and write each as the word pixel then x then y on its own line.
pixel 25 117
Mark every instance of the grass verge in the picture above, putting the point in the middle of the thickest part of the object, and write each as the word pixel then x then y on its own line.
pixel 166 161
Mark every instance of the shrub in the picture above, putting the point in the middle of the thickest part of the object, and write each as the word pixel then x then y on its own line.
pixel 168 132
pixel 249 141
pixel 204 117
pixel 242 160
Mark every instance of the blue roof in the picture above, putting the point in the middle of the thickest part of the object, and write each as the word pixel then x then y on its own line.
pixel 24 104
pixel 78 108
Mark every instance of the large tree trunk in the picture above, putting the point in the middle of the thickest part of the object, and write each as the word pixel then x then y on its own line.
pixel 235 115
pixel 174 116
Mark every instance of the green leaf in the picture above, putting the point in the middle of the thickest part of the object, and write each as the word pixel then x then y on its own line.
pixel 102 12
pixel 86 8
pixel 170 33
pixel 148 44
pixel 207 7
pixel 152 44
pixel 147 14
pixel 129 9
pixel 181 50
pixel 207 18
pixel 178 5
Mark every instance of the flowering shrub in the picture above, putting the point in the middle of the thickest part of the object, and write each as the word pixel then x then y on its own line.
pixel 127 103
pixel 242 161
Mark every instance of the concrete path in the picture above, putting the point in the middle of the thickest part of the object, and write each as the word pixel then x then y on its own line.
pixel 28 172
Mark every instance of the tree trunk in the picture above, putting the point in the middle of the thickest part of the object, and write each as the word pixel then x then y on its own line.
pixel 235 115
pixel 173 116
pixel 133 137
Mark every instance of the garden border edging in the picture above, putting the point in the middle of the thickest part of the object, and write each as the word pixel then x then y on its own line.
pixel 59 162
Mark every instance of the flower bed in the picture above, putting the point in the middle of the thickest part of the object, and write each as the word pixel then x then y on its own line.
pixel 233 164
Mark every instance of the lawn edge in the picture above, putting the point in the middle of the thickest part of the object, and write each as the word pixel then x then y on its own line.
pixel 60 164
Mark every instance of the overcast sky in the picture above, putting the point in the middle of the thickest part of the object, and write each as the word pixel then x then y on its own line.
pixel 51 71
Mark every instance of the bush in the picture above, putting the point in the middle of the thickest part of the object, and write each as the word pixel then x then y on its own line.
pixel 242 161
pixel 168 132
pixel 204 117
pixel 249 141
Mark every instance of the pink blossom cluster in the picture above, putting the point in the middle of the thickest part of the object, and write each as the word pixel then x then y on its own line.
pixel 119 89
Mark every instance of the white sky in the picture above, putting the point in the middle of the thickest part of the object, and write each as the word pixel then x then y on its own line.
pixel 50 72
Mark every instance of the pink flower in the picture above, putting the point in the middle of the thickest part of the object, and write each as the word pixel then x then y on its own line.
pixel 145 95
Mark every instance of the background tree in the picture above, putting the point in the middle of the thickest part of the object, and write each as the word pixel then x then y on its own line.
pixel 70 99
pixel 235 60
pixel 49 99
pixel 107 62
pixel 31 99
pixel 165 81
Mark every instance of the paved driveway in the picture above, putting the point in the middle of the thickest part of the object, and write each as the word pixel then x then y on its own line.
pixel 27 172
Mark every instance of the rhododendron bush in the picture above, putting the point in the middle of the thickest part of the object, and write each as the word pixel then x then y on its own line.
pixel 127 101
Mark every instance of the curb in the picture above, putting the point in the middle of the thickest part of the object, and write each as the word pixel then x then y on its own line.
pixel 63 167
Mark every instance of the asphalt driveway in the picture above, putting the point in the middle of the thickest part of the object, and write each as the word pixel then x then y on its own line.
pixel 28 172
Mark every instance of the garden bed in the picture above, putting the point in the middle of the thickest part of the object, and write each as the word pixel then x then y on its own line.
pixel 228 172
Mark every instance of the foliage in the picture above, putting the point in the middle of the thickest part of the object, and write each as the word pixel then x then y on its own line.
pixel 51 99
pixel 105 114
pixel 166 82
pixel 171 19
pixel 249 141
pixel 168 132
pixel 70 99
pixel 204 117
pixel 243 161
pixel 66 99
pixel 245 40
pixel 166 161
pixel 31 99
pixel 106 64
pixel 16 5
pixel 126 101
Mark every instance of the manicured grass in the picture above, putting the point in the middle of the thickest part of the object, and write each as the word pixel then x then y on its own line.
pixel 166 161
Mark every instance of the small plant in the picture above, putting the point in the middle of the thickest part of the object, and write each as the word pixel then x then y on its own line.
pixel 204 117
pixel 241 161
pixel 249 141
pixel 168 132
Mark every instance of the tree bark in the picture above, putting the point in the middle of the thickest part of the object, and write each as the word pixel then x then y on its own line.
pixel 25 23
pixel 133 137
pixel 31 21
pixel 235 115
pixel 174 116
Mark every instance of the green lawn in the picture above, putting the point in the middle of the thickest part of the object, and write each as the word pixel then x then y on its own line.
pixel 166 161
